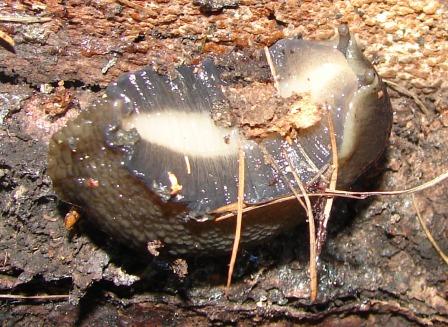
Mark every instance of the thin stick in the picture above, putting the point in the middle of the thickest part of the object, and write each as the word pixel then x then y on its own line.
pixel 410 94
pixel 428 233
pixel 271 67
pixel 23 19
pixel 33 297
pixel 239 216
pixel 312 230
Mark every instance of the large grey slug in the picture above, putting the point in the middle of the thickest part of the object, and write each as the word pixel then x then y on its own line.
pixel 150 162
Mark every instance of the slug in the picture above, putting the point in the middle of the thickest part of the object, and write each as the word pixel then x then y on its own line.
pixel 156 158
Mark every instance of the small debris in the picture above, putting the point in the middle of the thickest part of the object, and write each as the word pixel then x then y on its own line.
pixel 180 268
pixel 322 230
pixel 187 163
pixel 261 301
pixel 140 9
pixel 123 138
pixel 109 65
pixel 311 226
pixel 60 102
pixel 46 88
pixel 92 183
pixel 444 118
pixel 154 246
pixel 175 186
pixel 214 6
pixel 71 218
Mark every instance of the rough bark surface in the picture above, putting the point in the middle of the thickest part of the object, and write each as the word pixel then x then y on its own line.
pixel 377 267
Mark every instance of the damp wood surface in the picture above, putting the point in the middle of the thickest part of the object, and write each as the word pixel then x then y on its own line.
pixel 377 267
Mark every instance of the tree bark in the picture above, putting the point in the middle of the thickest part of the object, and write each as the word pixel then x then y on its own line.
pixel 378 267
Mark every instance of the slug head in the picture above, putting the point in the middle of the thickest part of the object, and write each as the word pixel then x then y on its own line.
pixel 338 76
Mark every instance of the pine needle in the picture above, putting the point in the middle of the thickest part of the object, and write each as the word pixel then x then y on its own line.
pixel 402 90
pixel 34 297
pixel 332 185
pixel 239 216
pixel 284 177
pixel 271 67
pixel 364 195
pixel 23 19
pixel 307 158
pixel 311 227
pixel 428 233
pixel 309 212
pixel 347 194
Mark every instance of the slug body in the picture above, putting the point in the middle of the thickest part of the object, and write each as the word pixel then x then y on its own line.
pixel 148 162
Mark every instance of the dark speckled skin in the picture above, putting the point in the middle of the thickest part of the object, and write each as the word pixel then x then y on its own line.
pixel 130 200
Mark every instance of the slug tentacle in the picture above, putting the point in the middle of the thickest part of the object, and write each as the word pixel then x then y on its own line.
pixel 344 38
